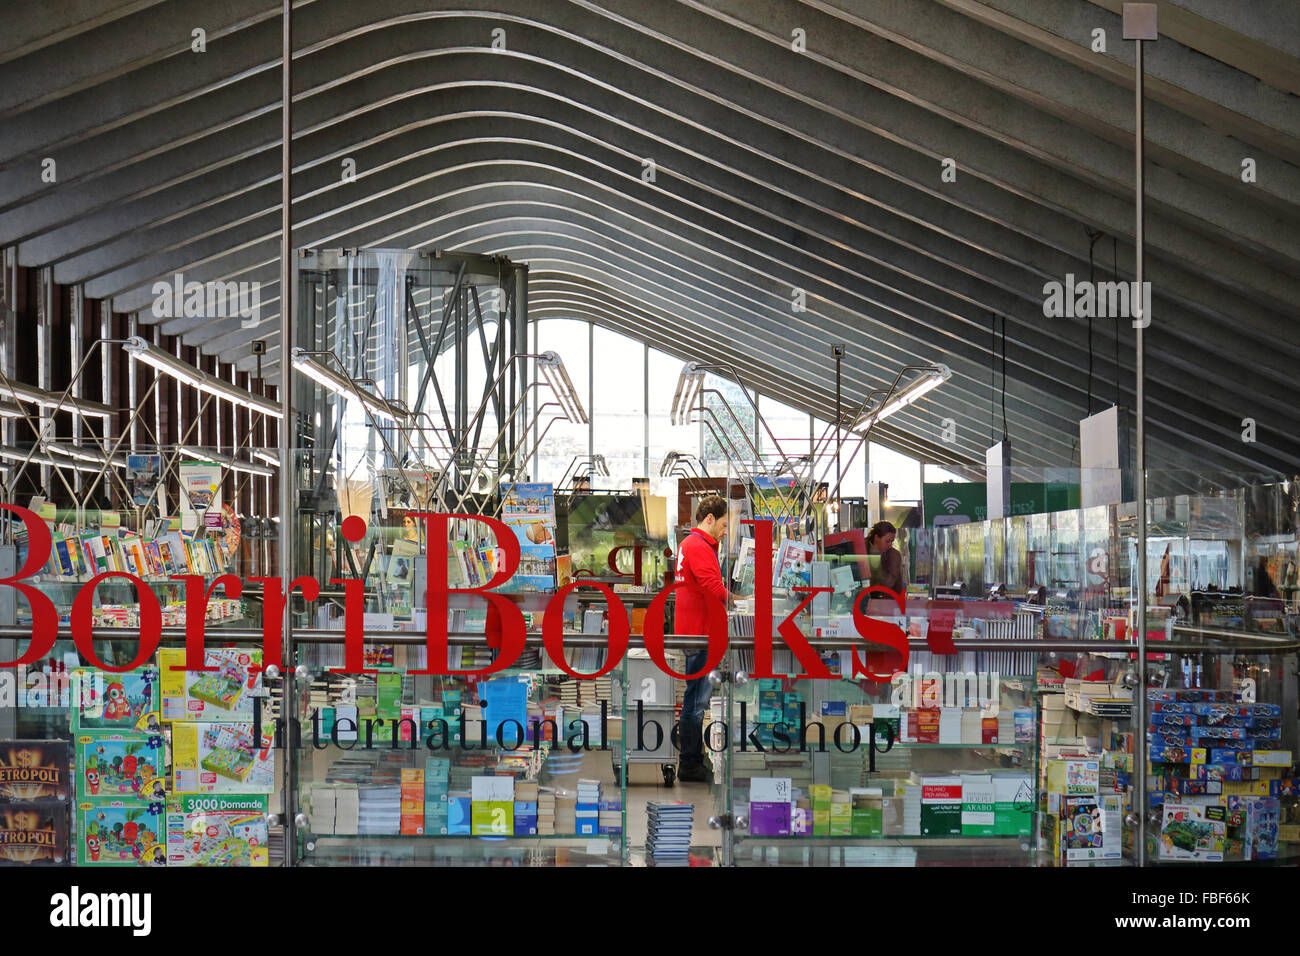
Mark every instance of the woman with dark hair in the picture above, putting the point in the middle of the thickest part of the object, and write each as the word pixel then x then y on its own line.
pixel 888 571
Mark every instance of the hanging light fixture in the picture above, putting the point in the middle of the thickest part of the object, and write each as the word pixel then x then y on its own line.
pixel 187 374
pixel 87 453
pixel 56 460
pixel 930 379
pixel 51 400
pixel 338 383
pixel 233 464
pixel 689 383
pixel 551 367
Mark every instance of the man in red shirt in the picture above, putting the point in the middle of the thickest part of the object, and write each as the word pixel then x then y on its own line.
pixel 700 573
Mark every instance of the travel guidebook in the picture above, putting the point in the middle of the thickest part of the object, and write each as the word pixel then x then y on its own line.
pixel 529 511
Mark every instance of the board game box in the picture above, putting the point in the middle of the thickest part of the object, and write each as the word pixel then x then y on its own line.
pixel 120 833
pixel 221 758
pixel 106 702
pixel 217 831
pixel 33 833
pixel 34 770
pixel 1192 833
pixel 120 765
pixel 224 694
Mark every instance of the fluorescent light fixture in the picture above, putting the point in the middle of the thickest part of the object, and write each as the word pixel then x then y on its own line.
pixel 551 366
pixel 39 458
pixel 87 453
pixel 689 384
pixel 51 400
pixel 183 372
pixel 338 383
pixel 270 457
pixel 930 379
pixel 234 464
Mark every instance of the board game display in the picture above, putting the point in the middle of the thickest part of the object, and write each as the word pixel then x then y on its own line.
pixel 120 833
pixel 33 770
pixel 107 702
pixel 221 758
pixel 33 833
pixel 120 766
pixel 226 693
pixel 217 831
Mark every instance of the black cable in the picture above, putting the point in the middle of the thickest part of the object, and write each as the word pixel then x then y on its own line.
pixel 1005 436
pixel 993 379
pixel 1114 274
pixel 1092 284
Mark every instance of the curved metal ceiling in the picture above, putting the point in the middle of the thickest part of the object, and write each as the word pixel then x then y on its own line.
pixel 775 171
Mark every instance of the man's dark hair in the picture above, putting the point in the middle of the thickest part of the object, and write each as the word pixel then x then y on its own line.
pixel 710 505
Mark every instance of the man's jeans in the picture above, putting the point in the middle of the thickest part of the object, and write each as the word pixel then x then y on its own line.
pixel 690 731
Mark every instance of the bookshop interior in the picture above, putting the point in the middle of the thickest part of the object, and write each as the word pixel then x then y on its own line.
pixel 380 382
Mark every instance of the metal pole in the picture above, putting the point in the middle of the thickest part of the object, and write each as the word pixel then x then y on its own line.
pixel 45 355
pixel 286 429
pixel 1140 26
pixel 838 352
pixel 1139 748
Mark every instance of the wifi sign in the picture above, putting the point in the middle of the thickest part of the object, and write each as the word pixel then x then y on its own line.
pixel 951 504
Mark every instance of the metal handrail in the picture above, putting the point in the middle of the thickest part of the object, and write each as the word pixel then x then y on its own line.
pixel 336 636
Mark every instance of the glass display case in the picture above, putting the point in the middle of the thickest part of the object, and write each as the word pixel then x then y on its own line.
pixel 1219 786
pixel 523 767
pixel 1036 709
pixel 935 768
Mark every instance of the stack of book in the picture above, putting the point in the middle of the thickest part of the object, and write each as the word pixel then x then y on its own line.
pixel 436 781
pixel 347 808
pixel 911 794
pixel 587 808
pixel 611 816
pixel 380 809
pixel 599 689
pixel 848 770
pixel 668 838
pixel 545 811
pixel 492 806
pixel 570 695
pixel 412 788
pixel 566 811
pixel 527 796
pixel 322 809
